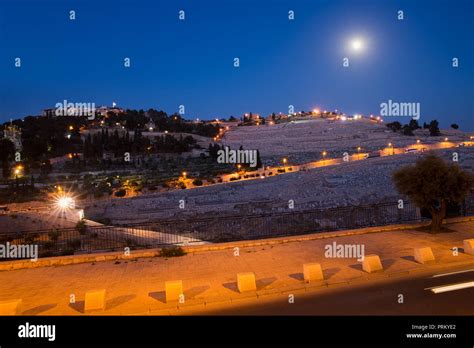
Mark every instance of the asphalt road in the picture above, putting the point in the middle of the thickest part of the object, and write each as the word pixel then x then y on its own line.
pixel 373 298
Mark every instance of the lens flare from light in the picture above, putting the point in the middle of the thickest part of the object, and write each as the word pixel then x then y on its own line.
pixel 65 202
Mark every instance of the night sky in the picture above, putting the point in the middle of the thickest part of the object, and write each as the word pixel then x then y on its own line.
pixel 282 62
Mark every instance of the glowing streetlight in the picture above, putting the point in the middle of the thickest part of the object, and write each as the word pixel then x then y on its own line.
pixel 18 169
pixel 184 175
pixel 285 161
pixel 418 141
pixel 446 139
pixel 358 152
pixel 390 146
pixel 324 156
pixel 65 202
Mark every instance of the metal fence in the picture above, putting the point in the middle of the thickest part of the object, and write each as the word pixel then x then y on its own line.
pixel 194 231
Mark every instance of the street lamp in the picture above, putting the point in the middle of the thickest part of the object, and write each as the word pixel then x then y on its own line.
pixel 184 175
pixel 18 169
pixel 358 152
pixel 17 172
pixel 324 155
pixel 284 160
pixel 65 202
pixel 390 146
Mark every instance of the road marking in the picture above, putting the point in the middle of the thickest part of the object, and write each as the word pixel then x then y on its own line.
pixel 451 287
pixel 448 274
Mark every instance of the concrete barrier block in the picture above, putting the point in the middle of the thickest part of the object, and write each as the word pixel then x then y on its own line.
pixel 246 282
pixel 372 264
pixel 10 307
pixel 94 300
pixel 312 272
pixel 468 245
pixel 174 289
pixel 424 255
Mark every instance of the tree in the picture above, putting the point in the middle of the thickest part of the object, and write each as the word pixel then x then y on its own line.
pixel 431 184
pixel 81 227
pixel 7 151
pixel 407 130
pixel 434 129
pixel 394 126
pixel 414 124
pixel 259 160
pixel 454 126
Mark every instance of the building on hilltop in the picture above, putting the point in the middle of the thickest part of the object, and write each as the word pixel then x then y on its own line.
pixel 13 133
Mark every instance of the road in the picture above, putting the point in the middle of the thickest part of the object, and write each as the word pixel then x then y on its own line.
pixel 373 298
pixel 388 151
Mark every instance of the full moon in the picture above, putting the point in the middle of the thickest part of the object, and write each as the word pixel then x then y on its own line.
pixel 357 45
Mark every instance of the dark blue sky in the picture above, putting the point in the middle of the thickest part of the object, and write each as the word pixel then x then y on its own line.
pixel 282 62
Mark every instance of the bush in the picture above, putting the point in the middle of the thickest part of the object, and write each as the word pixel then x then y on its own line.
pixel 197 182
pixel 49 245
pixel 30 238
pixel 74 244
pixel 120 193
pixel 81 227
pixel 172 252
pixel 68 251
pixel 394 126
pixel 407 130
pixel 54 235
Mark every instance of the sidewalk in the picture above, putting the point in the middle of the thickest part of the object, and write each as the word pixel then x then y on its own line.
pixel 136 286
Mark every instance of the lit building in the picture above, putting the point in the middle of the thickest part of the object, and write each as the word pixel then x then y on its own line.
pixel 13 133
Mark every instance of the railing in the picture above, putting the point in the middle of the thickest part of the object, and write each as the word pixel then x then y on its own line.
pixel 192 231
